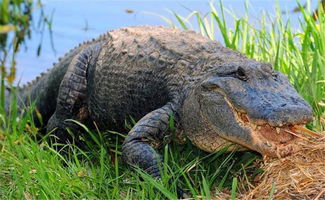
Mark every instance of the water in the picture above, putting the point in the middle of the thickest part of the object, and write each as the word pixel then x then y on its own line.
pixel 77 20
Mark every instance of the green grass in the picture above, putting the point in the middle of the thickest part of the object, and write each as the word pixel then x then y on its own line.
pixel 31 169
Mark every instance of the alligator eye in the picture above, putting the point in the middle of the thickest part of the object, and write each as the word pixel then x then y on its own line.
pixel 240 74
pixel 275 75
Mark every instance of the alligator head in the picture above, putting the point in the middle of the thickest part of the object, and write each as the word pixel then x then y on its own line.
pixel 248 104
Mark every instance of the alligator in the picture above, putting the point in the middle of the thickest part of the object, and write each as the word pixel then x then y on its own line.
pixel 157 75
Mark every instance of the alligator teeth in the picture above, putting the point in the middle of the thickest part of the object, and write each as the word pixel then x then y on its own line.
pixel 259 127
pixel 254 126
pixel 268 144
pixel 278 130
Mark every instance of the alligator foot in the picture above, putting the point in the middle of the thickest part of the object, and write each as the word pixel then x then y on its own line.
pixel 146 136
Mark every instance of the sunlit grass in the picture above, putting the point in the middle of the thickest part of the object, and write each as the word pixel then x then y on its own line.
pixel 31 169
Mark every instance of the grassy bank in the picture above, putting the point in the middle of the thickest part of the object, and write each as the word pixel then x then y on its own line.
pixel 31 169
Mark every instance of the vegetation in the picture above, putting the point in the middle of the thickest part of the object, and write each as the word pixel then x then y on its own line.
pixel 16 25
pixel 31 169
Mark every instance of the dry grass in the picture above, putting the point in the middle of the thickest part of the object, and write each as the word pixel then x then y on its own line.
pixel 299 176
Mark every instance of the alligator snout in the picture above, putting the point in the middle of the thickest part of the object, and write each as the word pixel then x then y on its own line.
pixel 277 114
pixel 287 115
pixel 284 115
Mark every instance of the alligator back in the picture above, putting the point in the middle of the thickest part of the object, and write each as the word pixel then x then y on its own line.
pixel 142 68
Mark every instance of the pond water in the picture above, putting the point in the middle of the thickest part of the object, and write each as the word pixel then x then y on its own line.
pixel 77 20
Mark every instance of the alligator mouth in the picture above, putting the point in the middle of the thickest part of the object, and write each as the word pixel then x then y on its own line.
pixel 275 141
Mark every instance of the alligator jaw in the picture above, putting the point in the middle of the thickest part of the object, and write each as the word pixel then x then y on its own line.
pixel 274 141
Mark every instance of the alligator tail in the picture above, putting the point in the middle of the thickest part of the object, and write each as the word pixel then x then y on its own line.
pixel 44 89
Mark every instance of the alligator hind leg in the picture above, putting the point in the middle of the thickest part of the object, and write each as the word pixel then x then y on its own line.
pixel 71 100
pixel 146 136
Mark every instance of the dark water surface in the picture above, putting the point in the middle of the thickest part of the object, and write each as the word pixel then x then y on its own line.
pixel 77 20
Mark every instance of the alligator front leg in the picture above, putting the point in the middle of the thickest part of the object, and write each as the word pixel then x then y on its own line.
pixel 139 148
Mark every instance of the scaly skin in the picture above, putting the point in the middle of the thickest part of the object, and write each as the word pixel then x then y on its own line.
pixel 216 95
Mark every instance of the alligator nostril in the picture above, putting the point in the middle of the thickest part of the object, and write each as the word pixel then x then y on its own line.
pixel 282 105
